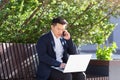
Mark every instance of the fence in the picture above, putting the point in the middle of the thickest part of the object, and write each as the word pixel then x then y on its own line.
pixel 19 61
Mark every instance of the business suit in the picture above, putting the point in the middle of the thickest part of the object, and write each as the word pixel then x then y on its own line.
pixel 46 54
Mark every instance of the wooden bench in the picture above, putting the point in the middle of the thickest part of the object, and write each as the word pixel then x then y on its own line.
pixel 19 61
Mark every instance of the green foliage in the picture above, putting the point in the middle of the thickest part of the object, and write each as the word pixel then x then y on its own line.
pixel 25 21
pixel 105 52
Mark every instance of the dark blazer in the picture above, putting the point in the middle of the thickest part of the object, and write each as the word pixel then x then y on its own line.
pixel 46 54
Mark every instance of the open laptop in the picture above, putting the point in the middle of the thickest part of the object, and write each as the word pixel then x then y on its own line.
pixel 76 63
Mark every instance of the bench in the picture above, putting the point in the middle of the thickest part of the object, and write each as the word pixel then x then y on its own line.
pixel 18 61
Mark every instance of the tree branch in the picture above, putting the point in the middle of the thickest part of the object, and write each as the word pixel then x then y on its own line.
pixel 87 8
pixel 28 19
pixel 35 11
pixel 2 5
pixel 106 16
pixel 39 17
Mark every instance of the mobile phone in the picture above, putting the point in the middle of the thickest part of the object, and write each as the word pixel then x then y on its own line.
pixel 63 34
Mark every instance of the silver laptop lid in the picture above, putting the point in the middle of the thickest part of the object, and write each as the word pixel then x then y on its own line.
pixel 77 63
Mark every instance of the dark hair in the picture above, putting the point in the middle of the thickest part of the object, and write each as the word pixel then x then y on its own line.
pixel 59 20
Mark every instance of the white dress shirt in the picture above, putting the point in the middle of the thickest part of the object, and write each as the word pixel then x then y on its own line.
pixel 58 48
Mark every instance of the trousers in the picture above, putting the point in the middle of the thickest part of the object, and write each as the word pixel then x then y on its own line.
pixel 58 75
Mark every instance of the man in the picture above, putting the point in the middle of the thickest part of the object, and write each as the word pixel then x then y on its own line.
pixel 53 49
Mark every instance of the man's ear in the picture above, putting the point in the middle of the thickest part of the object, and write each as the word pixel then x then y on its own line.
pixel 51 26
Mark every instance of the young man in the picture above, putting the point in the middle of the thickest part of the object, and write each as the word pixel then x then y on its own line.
pixel 53 49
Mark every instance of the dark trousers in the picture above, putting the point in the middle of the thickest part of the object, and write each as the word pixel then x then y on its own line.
pixel 58 75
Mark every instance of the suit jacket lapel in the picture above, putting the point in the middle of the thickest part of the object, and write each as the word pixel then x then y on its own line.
pixel 52 40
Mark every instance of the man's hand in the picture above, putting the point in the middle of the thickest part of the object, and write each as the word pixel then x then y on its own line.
pixel 66 35
pixel 62 65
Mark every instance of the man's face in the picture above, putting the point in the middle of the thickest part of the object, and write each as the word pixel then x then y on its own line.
pixel 58 29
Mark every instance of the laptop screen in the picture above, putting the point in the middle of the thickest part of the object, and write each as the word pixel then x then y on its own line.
pixel 77 63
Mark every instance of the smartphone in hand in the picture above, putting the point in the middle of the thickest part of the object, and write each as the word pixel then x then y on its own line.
pixel 63 34
pixel 66 35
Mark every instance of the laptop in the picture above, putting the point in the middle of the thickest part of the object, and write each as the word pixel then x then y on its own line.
pixel 76 63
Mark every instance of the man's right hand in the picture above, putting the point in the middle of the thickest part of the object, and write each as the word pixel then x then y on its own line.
pixel 62 65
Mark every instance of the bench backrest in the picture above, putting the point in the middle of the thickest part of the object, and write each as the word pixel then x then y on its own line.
pixel 18 61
